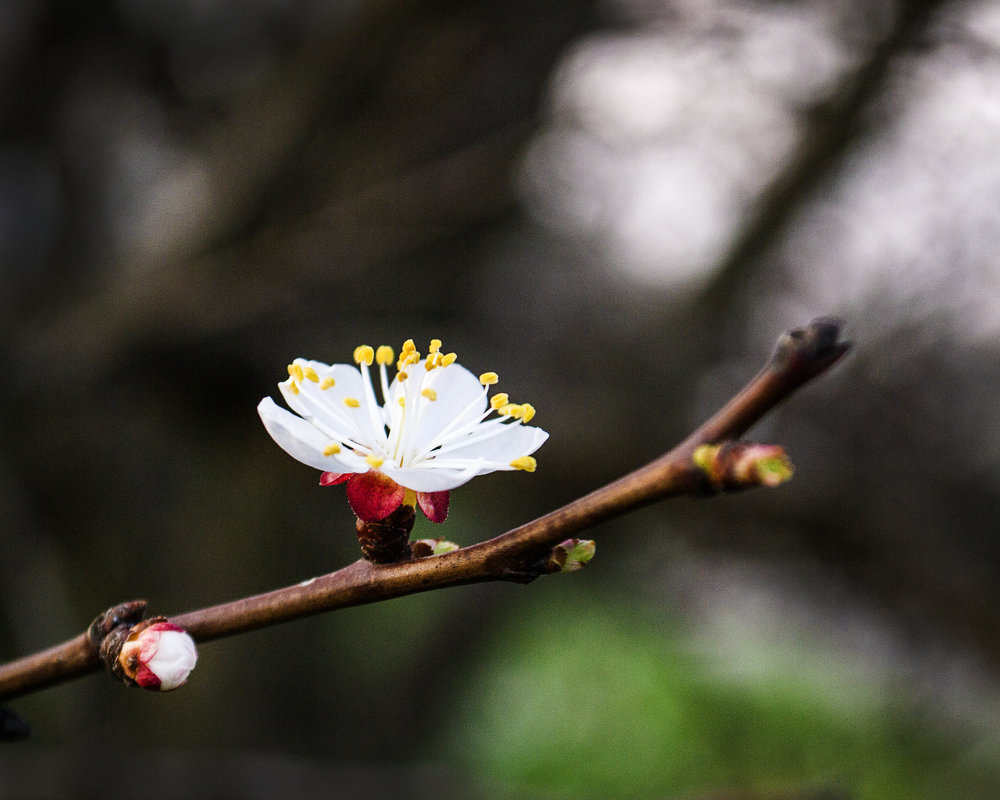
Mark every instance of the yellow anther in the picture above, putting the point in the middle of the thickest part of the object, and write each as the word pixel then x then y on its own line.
pixel 294 387
pixel 410 498
pixel 327 383
pixel 488 378
pixel 331 449
pixel 295 371
pixel 402 376
pixel 352 402
pixel 402 402
pixel 374 461
pixel 364 354
pixel 527 412
pixel 409 348
pixel 430 394
pixel 435 346
pixel 433 359
pixel 527 463
pixel 384 355
pixel 451 358
pixel 310 374
pixel 498 400
pixel 509 410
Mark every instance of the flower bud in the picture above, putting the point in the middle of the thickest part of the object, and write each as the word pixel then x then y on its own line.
pixel 740 465
pixel 158 656
pixel 422 548
pixel 571 555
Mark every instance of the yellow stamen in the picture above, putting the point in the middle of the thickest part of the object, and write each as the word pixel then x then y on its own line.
pixel 449 359
pixel 402 402
pixel 408 347
pixel 364 354
pixel 331 449
pixel 374 461
pixel 410 498
pixel 526 463
pixel 488 378
pixel 402 376
pixel 295 371
pixel 327 383
pixel 294 387
pixel 433 360
pixel 435 346
pixel 498 400
pixel 384 355
pixel 430 394
pixel 310 374
pixel 509 410
pixel 352 402
pixel 527 412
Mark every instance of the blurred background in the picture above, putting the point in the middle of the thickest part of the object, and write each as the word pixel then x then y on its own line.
pixel 617 206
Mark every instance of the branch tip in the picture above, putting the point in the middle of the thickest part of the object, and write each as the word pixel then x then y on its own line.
pixel 813 347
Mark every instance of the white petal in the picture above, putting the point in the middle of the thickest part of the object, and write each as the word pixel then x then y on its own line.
pixel 301 440
pixel 511 441
pixel 327 406
pixel 175 657
pixel 426 479
pixel 460 399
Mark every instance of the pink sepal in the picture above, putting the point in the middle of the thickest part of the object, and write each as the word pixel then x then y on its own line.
pixel 148 645
pixel 333 478
pixel 373 495
pixel 146 678
pixel 434 505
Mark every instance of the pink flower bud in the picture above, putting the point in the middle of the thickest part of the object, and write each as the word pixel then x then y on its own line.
pixel 158 656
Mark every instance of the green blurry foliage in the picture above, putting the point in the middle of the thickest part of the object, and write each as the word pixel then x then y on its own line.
pixel 585 698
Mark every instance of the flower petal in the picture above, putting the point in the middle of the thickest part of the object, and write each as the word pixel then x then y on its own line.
pixel 333 478
pixel 510 441
pixel 434 505
pixel 373 495
pixel 300 439
pixel 460 399
pixel 432 478
pixel 341 410
pixel 146 678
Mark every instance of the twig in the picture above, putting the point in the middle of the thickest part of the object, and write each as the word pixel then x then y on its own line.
pixel 800 356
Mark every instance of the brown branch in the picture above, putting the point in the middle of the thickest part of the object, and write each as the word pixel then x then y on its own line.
pixel 515 555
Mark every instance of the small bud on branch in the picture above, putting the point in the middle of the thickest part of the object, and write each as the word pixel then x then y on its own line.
pixel 741 465
pixel 157 655
pixel 423 548
pixel 152 653
pixel 571 555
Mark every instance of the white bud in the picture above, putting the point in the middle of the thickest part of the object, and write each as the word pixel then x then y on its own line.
pixel 159 656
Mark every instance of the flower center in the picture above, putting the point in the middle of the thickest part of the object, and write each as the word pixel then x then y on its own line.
pixel 406 404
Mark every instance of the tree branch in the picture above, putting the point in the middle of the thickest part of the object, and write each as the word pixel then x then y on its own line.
pixel 516 555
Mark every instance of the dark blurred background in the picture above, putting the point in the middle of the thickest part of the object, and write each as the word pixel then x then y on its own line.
pixel 617 206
